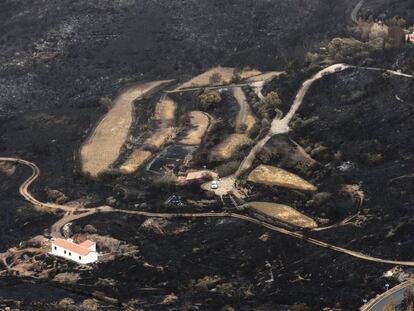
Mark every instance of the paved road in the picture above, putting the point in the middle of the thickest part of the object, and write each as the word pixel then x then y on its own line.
pixel 395 294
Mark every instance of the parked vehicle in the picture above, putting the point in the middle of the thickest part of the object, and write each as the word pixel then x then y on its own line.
pixel 214 184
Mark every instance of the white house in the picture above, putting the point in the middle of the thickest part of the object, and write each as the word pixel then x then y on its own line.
pixel 83 253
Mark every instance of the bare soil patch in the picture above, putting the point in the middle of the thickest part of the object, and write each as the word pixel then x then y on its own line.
pixel 267 76
pixel 165 110
pixel 245 119
pixel 284 213
pixel 274 176
pixel 103 147
pixel 199 125
pixel 204 79
pixel 161 136
pixel 228 147
pixel 246 74
pixel 165 114
pixel 135 161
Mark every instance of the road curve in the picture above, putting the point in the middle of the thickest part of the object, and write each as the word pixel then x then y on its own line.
pixel 395 294
pixel 355 11
pixel 24 187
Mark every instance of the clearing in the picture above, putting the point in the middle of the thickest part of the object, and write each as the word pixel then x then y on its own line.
pixel 283 213
pixel 165 114
pixel 274 176
pixel 223 76
pixel 245 121
pixel 199 125
pixel 161 136
pixel 229 147
pixel 249 73
pixel 267 76
pixel 165 110
pixel 135 161
pixel 103 146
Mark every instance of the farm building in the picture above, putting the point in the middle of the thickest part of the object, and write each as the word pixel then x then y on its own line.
pixel 83 253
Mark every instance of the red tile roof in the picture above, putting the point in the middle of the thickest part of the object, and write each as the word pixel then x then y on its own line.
pixel 73 247
pixel 87 243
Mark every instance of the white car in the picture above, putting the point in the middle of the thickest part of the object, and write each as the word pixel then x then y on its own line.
pixel 214 184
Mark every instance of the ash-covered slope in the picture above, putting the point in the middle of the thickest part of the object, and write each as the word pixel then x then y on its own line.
pixel 67 53
pixel 59 57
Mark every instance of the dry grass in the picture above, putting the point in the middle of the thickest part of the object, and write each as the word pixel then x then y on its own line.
pixel 165 110
pixel 246 74
pixel 165 113
pixel 230 146
pixel 250 122
pixel 204 79
pixel 266 76
pixel 102 148
pixel 245 121
pixel 161 136
pixel 66 277
pixel 284 213
pixel 135 161
pixel 199 125
pixel 274 176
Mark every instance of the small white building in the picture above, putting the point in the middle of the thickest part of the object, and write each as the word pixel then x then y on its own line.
pixel 83 253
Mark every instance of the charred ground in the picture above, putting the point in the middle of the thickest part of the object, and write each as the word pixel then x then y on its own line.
pixel 60 57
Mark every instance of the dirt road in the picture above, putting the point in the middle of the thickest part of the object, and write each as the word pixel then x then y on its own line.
pixel 70 216
pixel 279 126
pixel 355 11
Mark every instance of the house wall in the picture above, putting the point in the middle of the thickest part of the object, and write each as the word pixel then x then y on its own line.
pixel 93 247
pixel 61 252
pixel 91 257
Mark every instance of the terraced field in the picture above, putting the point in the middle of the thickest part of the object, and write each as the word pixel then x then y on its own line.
pixel 199 125
pixel 229 147
pixel 274 176
pixel 103 146
pixel 283 213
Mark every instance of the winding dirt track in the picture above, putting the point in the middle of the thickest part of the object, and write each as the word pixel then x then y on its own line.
pixel 279 126
pixel 107 209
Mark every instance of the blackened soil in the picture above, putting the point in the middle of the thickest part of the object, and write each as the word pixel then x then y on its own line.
pixel 59 57
pixel 368 118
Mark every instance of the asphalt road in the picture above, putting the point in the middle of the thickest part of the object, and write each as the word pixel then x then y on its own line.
pixel 395 294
